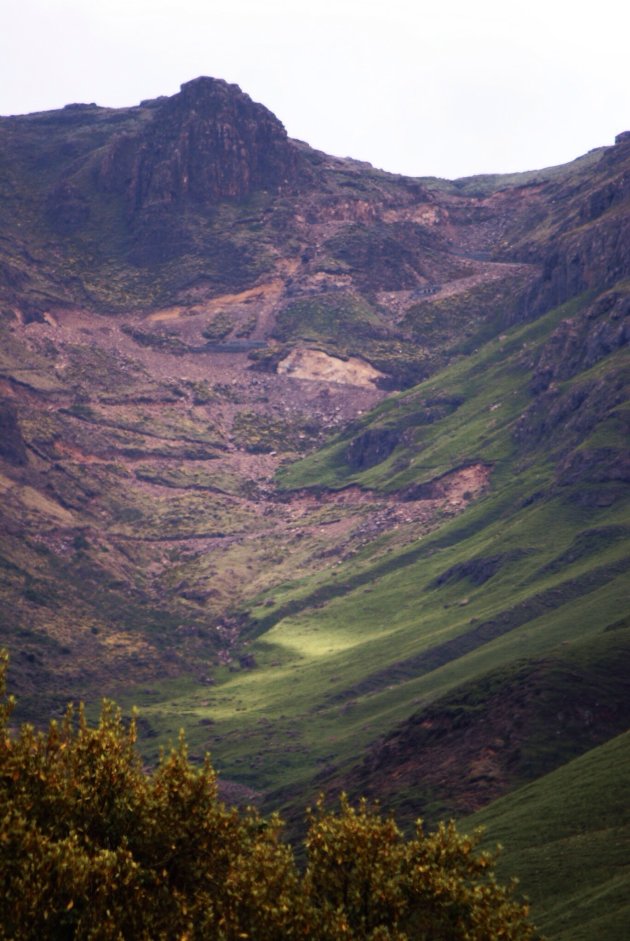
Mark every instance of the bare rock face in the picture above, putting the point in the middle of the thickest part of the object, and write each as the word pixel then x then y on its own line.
pixel 371 447
pixel 590 249
pixel 12 449
pixel 207 143
pixel 578 343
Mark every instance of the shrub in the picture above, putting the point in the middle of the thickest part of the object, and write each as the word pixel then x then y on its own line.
pixel 94 847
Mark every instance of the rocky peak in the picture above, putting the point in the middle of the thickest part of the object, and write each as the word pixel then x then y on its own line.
pixel 206 143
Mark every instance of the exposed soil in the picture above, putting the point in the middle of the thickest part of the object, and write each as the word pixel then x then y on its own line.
pixel 318 366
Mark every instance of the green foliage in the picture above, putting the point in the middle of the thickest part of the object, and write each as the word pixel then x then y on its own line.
pixel 93 847
pixel 368 882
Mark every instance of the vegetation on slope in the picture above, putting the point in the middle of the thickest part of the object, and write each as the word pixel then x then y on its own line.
pixel 492 734
pixel 568 837
pixel 93 847
pixel 536 562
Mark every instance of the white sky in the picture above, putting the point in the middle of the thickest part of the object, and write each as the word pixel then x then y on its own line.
pixel 446 88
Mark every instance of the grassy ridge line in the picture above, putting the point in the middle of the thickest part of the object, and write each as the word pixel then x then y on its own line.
pixel 567 835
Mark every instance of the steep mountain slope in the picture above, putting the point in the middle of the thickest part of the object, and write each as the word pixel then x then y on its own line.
pixel 326 464
pixel 567 835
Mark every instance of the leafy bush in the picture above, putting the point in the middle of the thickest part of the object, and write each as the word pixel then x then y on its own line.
pixel 94 847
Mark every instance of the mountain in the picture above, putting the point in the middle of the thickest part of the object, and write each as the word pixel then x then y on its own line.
pixel 327 465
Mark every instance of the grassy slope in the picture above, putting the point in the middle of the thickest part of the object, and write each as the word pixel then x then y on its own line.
pixel 345 657
pixel 353 649
pixel 567 835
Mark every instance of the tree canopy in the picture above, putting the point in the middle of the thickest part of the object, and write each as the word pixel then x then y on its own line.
pixel 92 846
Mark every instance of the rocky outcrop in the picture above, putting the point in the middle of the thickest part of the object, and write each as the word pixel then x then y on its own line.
pixel 67 208
pixel 207 143
pixel 12 448
pixel 148 179
pixel 572 402
pixel 371 447
pixel 595 466
pixel 565 417
pixel 579 343
pixel 583 242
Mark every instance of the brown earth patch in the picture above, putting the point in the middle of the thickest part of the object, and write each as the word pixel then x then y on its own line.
pixel 315 365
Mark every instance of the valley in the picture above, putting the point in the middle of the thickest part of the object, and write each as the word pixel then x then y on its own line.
pixel 327 466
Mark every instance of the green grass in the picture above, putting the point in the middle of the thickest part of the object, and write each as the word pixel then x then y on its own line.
pixel 567 837
pixel 322 659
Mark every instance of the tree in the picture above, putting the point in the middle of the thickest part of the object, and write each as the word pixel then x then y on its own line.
pixel 92 847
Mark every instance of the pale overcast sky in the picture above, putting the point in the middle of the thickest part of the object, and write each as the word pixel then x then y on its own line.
pixel 447 88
